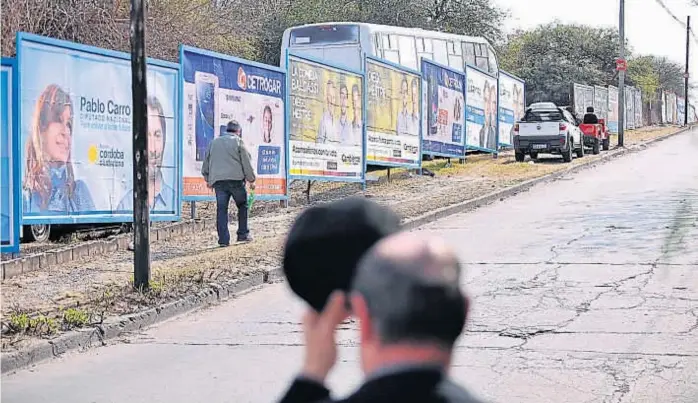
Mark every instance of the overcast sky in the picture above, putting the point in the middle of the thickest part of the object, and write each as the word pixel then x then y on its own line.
pixel 648 27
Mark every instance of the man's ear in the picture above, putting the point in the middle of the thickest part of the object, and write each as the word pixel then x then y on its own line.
pixel 360 311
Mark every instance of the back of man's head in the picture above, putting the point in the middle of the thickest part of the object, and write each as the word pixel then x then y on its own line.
pixel 411 291
pixel 590 109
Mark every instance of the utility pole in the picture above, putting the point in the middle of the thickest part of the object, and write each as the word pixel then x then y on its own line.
pixel 139 90
pixel 621 78
pixel 688 60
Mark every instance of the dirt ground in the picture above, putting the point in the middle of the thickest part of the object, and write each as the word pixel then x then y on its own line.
pixel 101 287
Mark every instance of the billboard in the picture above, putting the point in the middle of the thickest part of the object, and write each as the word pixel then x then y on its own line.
pixel 637 97
pixel 217 89
pixel 445 117
pixel 582 98
pixel 326 133
pixel 680 110
pixel 393 115
pixel 671 113
pixel 481 111
pixel 664 107
pixel 76 134
pixel 512 104
pixel 629 108
pixel 9 163
pixel 601 102
pixel 613 109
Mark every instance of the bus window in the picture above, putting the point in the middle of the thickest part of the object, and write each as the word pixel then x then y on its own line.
pixel 424 49
pixel 481 56
pixel 455 58
pixel 325 35
pixel 456 62
pixel 469 52
pixel 408 57
pixel 440 52
pixel 493 62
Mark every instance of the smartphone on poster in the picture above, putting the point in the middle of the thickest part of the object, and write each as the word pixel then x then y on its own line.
pixel 206 111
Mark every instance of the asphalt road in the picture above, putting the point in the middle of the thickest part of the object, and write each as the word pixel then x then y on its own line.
pixel 585 290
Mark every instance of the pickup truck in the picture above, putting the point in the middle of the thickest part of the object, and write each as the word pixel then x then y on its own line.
pixel 547 129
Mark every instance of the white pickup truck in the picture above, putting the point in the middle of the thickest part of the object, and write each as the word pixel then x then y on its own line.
pixel 547 129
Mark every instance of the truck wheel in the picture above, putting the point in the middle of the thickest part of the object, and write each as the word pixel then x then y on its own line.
pixel 597 147
pixel 580 150
pixel 606 144
pixel 534 156
pixel 567 154
pixel 520 157
pixel 39 233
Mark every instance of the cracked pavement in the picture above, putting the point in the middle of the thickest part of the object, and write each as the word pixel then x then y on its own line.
pixel 584 290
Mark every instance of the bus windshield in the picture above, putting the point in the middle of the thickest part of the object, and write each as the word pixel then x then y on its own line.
pixel 324 35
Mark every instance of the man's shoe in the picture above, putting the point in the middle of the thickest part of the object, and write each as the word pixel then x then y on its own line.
pixel 223 245
pixel 246 239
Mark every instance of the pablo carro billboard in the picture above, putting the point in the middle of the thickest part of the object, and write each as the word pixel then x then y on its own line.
pixel 326 122
pixel 511 106
pixel 218 89
pixel 9 174
pixel 445 118
pixel 393 118
pixel 76 121
pixel 481 111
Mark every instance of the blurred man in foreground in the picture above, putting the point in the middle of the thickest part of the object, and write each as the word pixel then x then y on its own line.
pixel 411 311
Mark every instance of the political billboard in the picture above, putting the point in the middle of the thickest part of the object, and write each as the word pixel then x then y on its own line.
pixel 671 113
pixel 217 89
pixel 9 163
pixel 393 115
pixel 512 104
pixel 481 115
pixel 326 131
pixel 601 102
pixel 445 117
pixel 680 110
pixel 629 108
pixel 76 134
pixel 582 98
pixel 637 97
pixel 613 115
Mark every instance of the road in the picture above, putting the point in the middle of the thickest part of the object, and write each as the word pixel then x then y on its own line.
pixel 585 290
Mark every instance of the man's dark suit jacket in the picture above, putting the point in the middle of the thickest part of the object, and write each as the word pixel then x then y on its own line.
pixel 418 386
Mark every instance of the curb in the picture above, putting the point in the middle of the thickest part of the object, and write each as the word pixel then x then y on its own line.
pixel 121 326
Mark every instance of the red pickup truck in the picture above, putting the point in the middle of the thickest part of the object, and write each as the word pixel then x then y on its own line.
pixel 596 136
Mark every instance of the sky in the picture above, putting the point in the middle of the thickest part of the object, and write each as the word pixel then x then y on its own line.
pixel 649 29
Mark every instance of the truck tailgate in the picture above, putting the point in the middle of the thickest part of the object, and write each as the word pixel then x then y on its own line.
pixel 539 129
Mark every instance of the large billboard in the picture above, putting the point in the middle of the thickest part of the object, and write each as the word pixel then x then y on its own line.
pixel 512 104
pixel 326 132
pixel 445 111
pixel 9 163
pixel 218 89
pixel 481 111
pixel 76 134
pixel 613 115
pixel 629 108
pixel 393 115
pixel 671 112
pixel 582 98
pixel 637 97
pixel 601 102
pixel 680 110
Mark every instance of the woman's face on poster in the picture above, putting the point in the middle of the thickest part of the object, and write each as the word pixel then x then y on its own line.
pixel 58 137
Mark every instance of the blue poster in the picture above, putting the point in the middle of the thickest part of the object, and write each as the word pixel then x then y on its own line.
pixel 9 181
pixel 76 134
pixel 218 89
pixel 512 103
pixel 445 112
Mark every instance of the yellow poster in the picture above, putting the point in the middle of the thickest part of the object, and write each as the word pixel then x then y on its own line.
pixel 393 118
pixel 327 129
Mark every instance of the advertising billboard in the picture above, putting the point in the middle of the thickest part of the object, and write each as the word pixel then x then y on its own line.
pixel 217 89
pixel 76 134
pixel 512 104
pixel 613 115
pixel 326 131
pixel 393 115
pixel 9 163
pixel 671 113
pixel 445 111
pixel 637 96
pixel 680 110
pixel 582 98
pixel 601 102
pixel 481 111
pixel 629 108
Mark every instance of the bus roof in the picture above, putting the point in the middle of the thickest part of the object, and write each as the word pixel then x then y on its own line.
pixel 399 30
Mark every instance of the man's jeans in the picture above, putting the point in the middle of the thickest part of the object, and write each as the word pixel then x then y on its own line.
pixel 224 191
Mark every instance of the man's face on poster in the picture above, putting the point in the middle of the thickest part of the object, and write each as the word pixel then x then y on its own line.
pixel 343 100
pixel 156 141
pixel 415 95
pixel 267 124
pixel 404 94
pixel 356 102
pixel 330 96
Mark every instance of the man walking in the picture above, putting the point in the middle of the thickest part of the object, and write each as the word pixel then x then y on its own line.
pixel 225 168
pixel 411 311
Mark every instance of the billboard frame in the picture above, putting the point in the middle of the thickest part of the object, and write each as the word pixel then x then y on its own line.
pixel 465 97
pixel 234 59
pixel 15 165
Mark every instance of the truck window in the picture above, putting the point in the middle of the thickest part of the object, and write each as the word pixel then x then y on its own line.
pixel 542 116
pixel 324 35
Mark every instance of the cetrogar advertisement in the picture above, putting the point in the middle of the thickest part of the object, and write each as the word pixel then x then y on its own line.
pixel 511 106
pixel 481 111
pixel 9 208
pixel 218 89
pixel 583 97
pixel 327 129
pixel 601 103
pixel 76 122
pixel 392 115
pixel 445 117
pixel 613 109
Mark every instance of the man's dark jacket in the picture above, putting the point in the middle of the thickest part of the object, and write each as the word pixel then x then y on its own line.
pixel 590 119
pixel 418 386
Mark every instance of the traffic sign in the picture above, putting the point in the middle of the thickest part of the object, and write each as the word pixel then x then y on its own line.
pixel 621 65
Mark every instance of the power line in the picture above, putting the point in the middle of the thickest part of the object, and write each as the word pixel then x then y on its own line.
pixel 677 19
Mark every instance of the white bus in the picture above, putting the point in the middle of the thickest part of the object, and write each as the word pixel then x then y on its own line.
pixel 343 43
